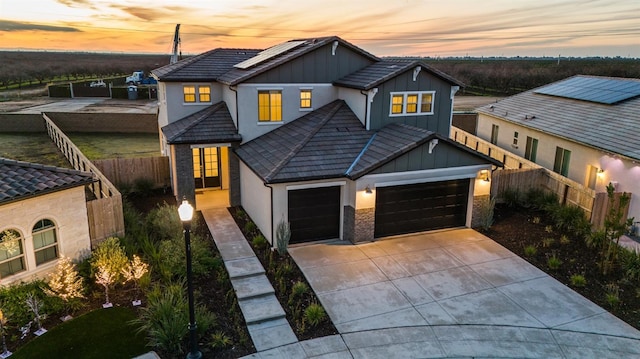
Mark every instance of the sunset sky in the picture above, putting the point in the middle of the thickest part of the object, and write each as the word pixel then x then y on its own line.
pixel 382 27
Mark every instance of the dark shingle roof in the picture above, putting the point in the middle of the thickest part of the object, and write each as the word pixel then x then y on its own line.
pixel 212 124
pixel 207 66
pixel 379 72
pixel 612 128
pixel 235 75
pixel 20 180
pixel 330 143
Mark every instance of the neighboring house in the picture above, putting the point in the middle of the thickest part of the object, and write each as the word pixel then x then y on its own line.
pixel 584 127
pixel 43 216
pixel 321 134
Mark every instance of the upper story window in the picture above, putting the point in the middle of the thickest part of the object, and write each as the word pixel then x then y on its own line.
pixel 269 105
pixel 411 103
pixel 45 242
pixel 494 134
pixel 11 253
pixel 561 163
pixel 305 99
pixel 189 93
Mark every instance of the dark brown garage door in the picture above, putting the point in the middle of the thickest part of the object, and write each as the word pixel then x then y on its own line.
pixel 314 214
pixel 421 207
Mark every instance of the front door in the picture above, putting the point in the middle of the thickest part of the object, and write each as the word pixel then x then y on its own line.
pixel 206 167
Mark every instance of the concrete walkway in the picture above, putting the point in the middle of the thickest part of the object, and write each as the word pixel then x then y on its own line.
pixel 437 295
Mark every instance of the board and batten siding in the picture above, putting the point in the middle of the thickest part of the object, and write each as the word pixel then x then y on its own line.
pixel 438 122
pixel 318 66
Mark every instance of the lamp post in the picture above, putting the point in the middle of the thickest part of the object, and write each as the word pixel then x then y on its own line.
pixel 186 213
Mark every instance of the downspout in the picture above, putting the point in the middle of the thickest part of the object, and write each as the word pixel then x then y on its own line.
pixel 273 238
pixel 237 118
pixel 454 89
pixel 369 95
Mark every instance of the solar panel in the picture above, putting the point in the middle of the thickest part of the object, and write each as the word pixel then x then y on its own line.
pixel 593 89
pixel 268 54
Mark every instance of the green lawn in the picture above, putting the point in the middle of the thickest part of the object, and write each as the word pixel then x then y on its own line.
pixel 103 333
pixel 31 147
pixel 99 146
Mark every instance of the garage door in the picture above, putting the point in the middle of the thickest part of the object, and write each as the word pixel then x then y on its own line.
pixel 421 207
pixel 314 214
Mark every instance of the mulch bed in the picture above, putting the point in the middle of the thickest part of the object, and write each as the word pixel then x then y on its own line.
pixel 515 229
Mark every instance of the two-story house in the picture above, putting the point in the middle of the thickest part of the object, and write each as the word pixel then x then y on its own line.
pixel 583 127
pixel 320 134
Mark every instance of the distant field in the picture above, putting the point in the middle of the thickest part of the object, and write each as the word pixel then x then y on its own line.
pixel 38 148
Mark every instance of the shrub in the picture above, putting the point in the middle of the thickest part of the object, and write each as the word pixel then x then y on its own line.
pixel 530 251
pixel 485 213
pixel 219 340
pixel 612 295
pixel 535 220
pixel 631 264
pixel 250 227
pixel 259 242
pixel 578 280
pixel 13 301
pixel 283 234
pixel 564 239
pixel 548 229
pixel 143 186
pixel 163 222
pixel 548 242
pixel 539 199
pixel 314 314
pixel 511 197
pixel 298 290
pixel 554 262
pixel 172 256
pixel 571 219
pixel 110 256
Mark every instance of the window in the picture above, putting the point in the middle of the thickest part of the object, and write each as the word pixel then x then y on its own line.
pixel 531 150
pixel 494 134
pixel 561 164
pixel 592 176
pixel 269 105
pixel 45 242
pixel 189 93
pixel 411 103
pixel 11 253
pixel 204 93
pixel 515 139
pixel 305 99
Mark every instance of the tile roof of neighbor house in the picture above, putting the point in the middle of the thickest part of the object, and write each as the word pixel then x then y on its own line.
pixel 379 72
pixel 20 180
pixel 611 128
pixel 335 142
pixel 207 66
pixel 211 124
pixel 236 75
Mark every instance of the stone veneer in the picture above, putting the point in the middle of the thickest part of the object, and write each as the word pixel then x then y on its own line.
pixel 475 213
pixel 359 224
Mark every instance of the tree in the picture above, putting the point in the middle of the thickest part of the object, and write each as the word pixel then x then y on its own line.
pixel 108 262
pixel 3 331
pixel 65 283
pixel 35 305
pixel 133 271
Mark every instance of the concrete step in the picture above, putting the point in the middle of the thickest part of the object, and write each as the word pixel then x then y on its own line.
pixel 252 286
pixel 261 309
pixel 271 334
pixel 244 267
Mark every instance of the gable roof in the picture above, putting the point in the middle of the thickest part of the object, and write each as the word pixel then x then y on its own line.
pixel 20 180
pixel 237 75
pixel 211 124
pixel 379 72
pixel 207 66
pixel 331 143
pixel 609 127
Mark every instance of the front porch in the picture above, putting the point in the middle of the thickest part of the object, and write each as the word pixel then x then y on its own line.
pixel 211 199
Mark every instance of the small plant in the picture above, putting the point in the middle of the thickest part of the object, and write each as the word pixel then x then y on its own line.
pixel 298 290
pixel 3 332
pixel 612 295
pixel 564 239
pixel 65 283
pixel 631 264
pixel 548 242
pixel 530 251
pixel 536 220
pixel 133 271
pixel 578 280
pixel 283 235
pixel 219 340
pixel 314 314
pixel 553 262
pixel 143 186
pixel 548 229
pixel 259 242
pixel 250 227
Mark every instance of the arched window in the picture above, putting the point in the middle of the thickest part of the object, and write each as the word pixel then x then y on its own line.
pixel 11 253
pixel 45 241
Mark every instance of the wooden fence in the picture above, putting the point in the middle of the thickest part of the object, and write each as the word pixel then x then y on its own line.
pixel 521 174
pixel 128 170
pixel 105 211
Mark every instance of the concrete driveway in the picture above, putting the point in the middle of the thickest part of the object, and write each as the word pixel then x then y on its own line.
pixel 455 293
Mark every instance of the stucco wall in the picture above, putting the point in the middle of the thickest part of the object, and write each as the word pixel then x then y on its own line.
pixel 256 200
pixel 172 100
pixel 356 101
pixel 67 209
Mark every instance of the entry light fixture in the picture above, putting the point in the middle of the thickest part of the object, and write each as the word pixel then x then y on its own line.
pixel 368 190
pixel 600 172
pixel 484 175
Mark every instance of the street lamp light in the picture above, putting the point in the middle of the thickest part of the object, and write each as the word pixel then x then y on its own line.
pixel 186 213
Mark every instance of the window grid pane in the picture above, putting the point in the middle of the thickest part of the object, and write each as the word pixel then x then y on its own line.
pixel 189 93
pixel 412 103
pixel 205 93
pixel 276 105
pixel 263 106
pixel 425 105
pixel 46 255
pixel 305 99
pixel 397 104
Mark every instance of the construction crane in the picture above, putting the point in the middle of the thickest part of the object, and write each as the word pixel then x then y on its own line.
pixel 175 56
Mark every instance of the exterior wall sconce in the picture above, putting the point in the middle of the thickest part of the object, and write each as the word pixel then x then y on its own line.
pixel 600 172
pixel 484 175
pixel 368 190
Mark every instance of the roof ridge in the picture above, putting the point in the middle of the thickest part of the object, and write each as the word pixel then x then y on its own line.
pixel 304 141
pixel 211 109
